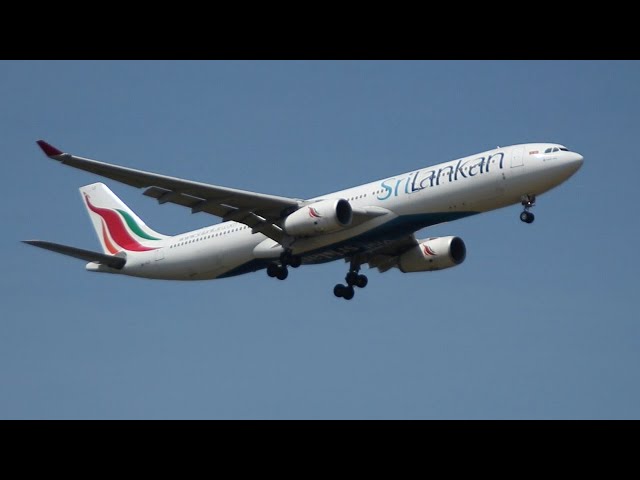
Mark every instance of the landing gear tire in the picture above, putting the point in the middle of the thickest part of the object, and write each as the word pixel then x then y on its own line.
pixel 528 201
pixel 527 217
pixel 287 258
pixel 348 293
pixel 351 278
pixel 272 269
pixel 277 271
pixel 342 291
pixel 361 281
pixel 283 273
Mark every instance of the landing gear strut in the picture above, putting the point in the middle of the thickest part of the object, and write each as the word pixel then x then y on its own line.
pixel 353 278
pixel 280 271
pixel 287 258
pixel 528 201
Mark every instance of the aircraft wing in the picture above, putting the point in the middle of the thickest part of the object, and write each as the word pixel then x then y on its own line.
pixel 86 255
pixel 257 210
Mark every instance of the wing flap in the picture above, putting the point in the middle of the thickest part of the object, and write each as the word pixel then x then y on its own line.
pixel 195 203
pixel 219 208
pixel 86 255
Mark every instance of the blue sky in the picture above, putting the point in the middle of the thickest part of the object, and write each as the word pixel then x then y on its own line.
pixel 540 322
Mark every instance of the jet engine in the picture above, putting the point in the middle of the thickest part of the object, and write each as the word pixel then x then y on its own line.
pixel 321 217
pixel 433 254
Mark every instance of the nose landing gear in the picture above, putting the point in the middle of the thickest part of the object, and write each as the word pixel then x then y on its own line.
pixel 528 201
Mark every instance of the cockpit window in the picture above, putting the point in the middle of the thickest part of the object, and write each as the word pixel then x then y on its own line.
pixel 556 149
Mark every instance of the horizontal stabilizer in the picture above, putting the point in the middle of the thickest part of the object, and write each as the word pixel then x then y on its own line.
pixel 87 255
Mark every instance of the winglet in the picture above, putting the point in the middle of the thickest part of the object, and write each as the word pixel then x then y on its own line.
pixel 48 150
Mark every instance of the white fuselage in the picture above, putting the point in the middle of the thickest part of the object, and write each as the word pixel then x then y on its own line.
pixel 412 200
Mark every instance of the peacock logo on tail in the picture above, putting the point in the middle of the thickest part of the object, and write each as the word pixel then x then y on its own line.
pixel 114 229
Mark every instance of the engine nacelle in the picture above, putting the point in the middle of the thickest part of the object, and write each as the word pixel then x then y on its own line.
pixel 321 217
pixel 433 254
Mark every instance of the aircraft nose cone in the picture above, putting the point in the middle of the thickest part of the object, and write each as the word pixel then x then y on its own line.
pixel 577 160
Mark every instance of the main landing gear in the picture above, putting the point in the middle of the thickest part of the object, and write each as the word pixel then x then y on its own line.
pixel 528 201
pixel 280 270
pixel 353 278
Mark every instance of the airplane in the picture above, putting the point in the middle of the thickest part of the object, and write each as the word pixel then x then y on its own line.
pixel 372 224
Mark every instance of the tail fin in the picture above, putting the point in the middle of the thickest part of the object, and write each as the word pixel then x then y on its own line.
pixel 117 227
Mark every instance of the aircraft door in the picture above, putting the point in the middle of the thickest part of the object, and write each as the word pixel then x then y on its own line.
pixel 159 255
pixel 517 157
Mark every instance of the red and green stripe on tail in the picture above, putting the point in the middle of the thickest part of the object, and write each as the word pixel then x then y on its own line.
pixel 113 225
